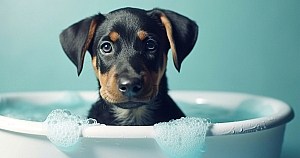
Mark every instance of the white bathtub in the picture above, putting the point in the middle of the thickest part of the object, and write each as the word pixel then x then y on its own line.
pixel 260 137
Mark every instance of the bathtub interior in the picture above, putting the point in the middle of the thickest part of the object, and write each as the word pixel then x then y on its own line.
pixel 36 106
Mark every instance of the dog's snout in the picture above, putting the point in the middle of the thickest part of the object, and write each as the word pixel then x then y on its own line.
pixel 130 87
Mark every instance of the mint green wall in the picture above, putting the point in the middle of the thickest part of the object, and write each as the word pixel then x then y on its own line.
pixel 244 46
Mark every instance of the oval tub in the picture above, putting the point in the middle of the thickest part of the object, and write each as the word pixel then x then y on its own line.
pixel 260 135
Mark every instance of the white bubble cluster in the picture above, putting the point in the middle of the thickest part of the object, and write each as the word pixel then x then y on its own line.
pixel 64 128
pixel 182 138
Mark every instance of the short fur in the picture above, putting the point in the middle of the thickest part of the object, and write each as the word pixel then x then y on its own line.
pixel 129 49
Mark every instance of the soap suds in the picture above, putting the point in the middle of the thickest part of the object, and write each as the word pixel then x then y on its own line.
pixel 182 138
pixel 64 128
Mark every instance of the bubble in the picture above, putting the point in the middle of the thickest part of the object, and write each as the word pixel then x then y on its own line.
pixel 183 137
pixel 91 121
pixel 64 128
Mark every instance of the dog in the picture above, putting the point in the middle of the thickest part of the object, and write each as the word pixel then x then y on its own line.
pixel 129 48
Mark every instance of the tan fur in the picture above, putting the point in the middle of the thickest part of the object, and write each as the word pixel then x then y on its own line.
pixel 91 33
pixel 167 24
pixel 142 34
pixel 114 36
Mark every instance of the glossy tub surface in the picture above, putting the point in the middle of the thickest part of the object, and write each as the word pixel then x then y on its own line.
pixel 261 136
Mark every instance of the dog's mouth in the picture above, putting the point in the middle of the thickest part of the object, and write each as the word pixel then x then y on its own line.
pixel 129 102
pixel 130 105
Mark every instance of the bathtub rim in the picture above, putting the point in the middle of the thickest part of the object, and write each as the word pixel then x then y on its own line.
pixel 283 115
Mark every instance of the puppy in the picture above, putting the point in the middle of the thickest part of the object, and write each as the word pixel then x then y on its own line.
pixel 129 48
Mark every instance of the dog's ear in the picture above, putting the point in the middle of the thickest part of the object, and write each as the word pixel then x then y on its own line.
pixel 76 39
pixel 182 33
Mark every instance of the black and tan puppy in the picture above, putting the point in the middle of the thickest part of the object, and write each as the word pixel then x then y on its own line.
pixel 129 50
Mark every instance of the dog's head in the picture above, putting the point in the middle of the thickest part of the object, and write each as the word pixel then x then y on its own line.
pixel 129 50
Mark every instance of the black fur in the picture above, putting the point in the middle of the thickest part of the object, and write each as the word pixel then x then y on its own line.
pixel 132 59
pixel 165 110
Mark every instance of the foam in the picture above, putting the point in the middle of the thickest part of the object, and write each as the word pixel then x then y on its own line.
pixel 64 128
pixel 183 137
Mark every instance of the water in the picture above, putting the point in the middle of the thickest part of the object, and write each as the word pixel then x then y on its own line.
pixel 25 109
pixel 248 109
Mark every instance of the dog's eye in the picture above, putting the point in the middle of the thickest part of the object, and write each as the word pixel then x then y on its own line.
pixel 106 47
pixel 151 45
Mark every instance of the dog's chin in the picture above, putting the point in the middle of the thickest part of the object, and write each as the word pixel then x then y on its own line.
pixel 130 105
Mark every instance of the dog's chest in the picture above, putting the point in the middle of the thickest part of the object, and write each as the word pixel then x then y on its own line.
pixel 138 116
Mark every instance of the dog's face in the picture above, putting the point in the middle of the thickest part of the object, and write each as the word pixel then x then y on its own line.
pixel 130 57
pixel 129 50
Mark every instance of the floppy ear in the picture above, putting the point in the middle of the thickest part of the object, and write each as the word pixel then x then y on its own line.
pixel 182 34
pixel 76 40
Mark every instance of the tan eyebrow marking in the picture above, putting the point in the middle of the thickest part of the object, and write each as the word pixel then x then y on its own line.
pixel 142 34
pixel 114 36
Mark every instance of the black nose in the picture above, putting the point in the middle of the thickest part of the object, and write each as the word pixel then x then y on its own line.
pixel 130 86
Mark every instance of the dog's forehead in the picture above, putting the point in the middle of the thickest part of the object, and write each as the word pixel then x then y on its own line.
pixel 128 14
pixel 130 20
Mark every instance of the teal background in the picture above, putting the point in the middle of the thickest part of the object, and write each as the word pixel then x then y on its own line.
pixel 243 46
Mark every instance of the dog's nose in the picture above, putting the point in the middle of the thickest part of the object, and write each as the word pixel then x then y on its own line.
pixel 130 86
